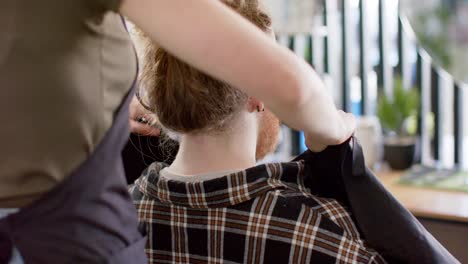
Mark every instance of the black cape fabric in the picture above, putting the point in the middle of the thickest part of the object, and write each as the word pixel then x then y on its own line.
pixel 340 173
pixel 141 151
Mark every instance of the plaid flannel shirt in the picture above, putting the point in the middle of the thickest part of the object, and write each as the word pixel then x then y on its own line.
pixel 261 215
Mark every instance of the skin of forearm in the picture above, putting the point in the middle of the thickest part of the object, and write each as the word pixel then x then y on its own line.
pixel 218 41
pixel 315 113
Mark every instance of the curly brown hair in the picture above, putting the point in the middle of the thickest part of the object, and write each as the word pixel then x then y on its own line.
pixel 185 99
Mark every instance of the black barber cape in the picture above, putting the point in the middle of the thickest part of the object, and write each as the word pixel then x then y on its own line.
pixel 340 173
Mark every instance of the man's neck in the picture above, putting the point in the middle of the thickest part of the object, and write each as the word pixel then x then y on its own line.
pixel 214 152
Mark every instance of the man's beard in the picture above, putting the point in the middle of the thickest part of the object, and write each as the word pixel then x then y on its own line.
pixel 267 135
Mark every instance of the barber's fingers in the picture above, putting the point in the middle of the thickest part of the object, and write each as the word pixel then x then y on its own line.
pixel 346 129
pixel 349 125
pixel 141 120
pixel 315 146
pixel 143 129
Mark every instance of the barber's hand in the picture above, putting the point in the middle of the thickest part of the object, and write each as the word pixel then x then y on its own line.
pixel 345 131
pixel 142 120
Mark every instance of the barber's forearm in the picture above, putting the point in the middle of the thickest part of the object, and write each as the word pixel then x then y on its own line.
pixel 316 113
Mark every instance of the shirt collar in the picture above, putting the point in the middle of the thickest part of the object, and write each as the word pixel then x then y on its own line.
pixel 224 191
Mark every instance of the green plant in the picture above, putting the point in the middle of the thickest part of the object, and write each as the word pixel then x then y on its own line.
pixel 399 114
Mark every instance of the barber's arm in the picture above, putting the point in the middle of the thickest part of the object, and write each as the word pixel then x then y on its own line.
pixel 213 38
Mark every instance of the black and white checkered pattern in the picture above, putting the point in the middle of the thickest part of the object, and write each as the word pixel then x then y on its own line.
pixel 261 215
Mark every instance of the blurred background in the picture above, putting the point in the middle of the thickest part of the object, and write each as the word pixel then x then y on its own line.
pixel 365 50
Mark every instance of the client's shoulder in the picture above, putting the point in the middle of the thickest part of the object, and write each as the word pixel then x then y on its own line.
pixel 147 184
pixel 296 217
pixel 294 204
pixel 290 198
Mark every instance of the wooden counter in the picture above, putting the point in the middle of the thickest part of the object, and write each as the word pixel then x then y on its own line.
pixel 428 203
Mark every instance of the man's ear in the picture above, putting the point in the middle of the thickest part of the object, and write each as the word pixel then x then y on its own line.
pixel 255 105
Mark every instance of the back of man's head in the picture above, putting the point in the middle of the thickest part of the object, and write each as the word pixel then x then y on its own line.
pixel 187 100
